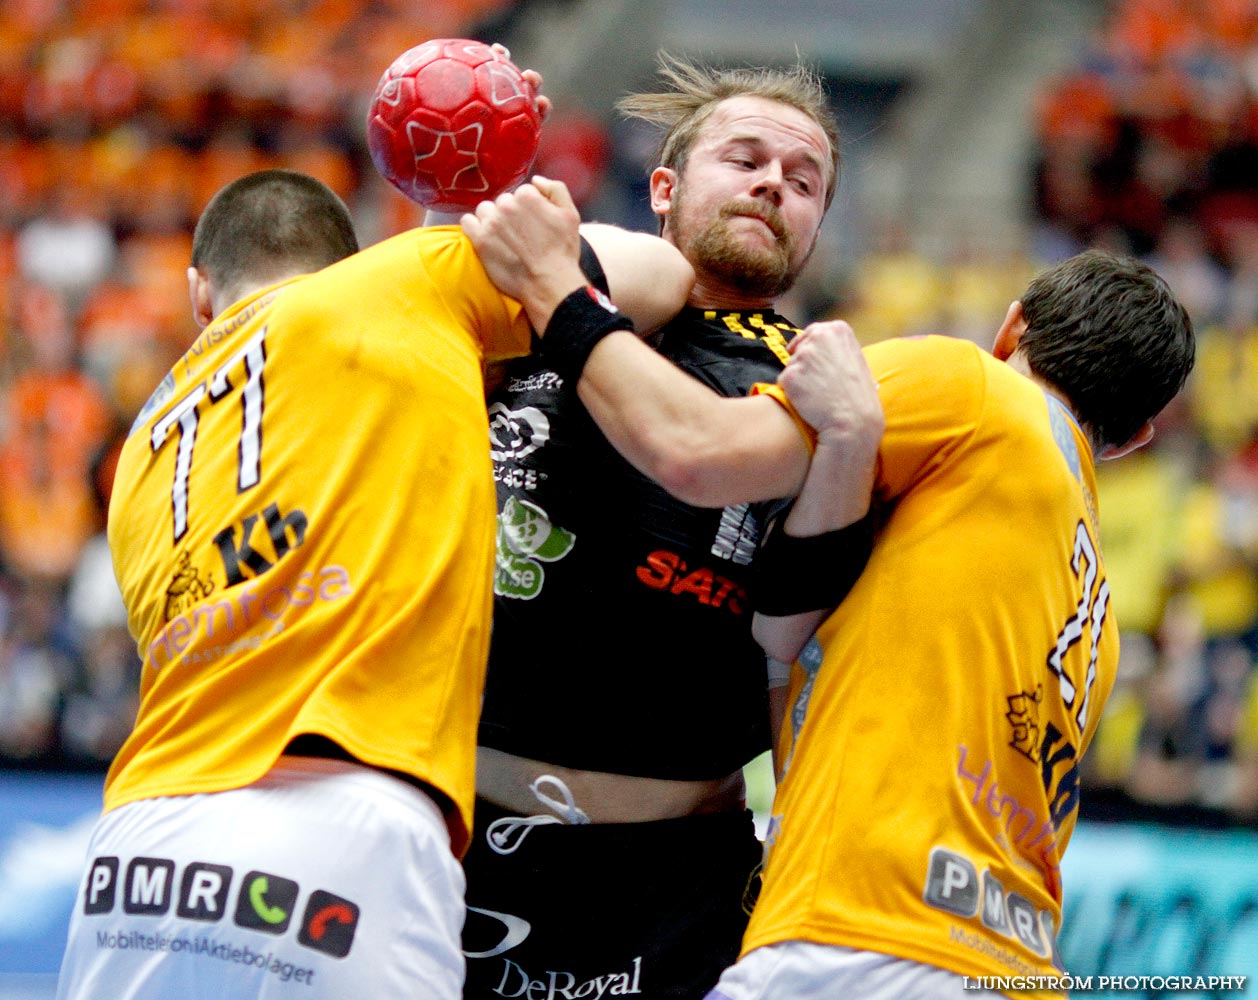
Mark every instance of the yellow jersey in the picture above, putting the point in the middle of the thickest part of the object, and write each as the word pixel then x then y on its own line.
pixel 302 526
pixel 928 765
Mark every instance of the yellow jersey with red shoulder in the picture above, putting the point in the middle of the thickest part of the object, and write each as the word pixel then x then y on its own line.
pixel 303 527
pixel 929 761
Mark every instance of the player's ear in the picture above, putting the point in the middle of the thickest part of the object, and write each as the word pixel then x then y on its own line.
pixel 1009 336
pixel 663 189
pixel 199 293
pixel 1138 440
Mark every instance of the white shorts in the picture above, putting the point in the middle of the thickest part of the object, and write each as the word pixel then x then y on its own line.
pixel 802 970
pixel 324 879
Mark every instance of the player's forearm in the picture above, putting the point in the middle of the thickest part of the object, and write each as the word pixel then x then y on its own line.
pixel 705 449
pixel 837 490
pixel 545 289
pixel 835 495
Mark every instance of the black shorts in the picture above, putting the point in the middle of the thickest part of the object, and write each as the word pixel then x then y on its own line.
pixel 652 910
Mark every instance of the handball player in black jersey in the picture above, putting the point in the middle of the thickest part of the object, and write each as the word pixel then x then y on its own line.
pixel 613 853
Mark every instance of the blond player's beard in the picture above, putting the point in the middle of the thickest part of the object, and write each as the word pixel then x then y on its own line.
pixel 763 271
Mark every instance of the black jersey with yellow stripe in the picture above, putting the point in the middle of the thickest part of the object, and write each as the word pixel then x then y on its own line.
pixel 622 618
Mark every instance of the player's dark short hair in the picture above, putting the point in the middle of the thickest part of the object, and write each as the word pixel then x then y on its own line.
pixel 270 225
pixel 695 91
pixel 1108 332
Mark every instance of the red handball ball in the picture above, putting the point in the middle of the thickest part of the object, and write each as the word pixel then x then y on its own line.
pixel 453 122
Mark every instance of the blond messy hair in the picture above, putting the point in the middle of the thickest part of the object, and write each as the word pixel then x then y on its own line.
pixel 695 91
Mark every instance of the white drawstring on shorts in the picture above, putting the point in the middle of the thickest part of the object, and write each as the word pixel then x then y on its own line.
pixel 500 833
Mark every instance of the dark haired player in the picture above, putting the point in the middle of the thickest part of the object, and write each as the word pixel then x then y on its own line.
pixel 929 774
pixel 302 526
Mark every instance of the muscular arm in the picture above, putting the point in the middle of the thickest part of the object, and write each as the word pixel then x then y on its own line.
pixel 647 278
pixel 531 249
pixel 827 502
pixel 705 449
pixel 840 481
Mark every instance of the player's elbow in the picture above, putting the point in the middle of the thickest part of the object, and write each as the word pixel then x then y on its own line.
pixel 777 641
pixel 734 451
pixel 673 466
pixel 698 471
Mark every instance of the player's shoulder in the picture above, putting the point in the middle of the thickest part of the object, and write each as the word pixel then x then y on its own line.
pixel 946 376
pixel 420 241
pixel 925 346
pixel 414 259
pixel 931 356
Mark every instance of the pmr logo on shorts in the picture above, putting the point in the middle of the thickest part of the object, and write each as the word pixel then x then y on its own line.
pixel 203 891
pixel 149 885
pixel 265 902
pixel 329 924
pixel 148 888
pixel 102 886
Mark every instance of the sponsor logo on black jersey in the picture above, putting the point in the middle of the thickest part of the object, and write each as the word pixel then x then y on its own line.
pixel 488 933
pixel 526 539
pixel 517 981
pixel 737 535
pixel 516 434
pixel 669 572
pixel 539 381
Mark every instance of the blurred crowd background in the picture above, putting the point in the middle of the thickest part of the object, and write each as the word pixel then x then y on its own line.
pixel 120 118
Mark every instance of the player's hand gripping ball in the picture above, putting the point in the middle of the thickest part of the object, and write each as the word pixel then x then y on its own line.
pixel 452 123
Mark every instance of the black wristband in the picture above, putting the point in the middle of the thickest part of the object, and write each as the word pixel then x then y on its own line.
pixel 794 575
pixel 578 323
pixel 592 268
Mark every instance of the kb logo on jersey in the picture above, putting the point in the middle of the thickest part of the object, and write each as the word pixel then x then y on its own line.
pixel 286 531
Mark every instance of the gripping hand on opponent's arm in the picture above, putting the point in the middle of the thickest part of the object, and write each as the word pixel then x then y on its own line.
pixel 830 385
pixel 529 243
